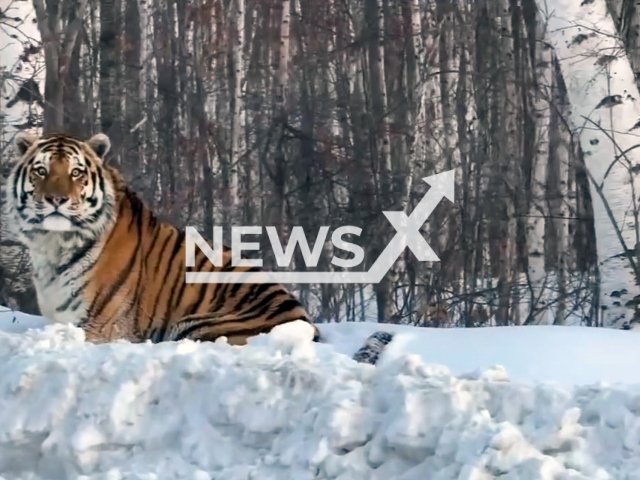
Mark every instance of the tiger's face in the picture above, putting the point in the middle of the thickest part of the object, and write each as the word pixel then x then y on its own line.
pixel 60 185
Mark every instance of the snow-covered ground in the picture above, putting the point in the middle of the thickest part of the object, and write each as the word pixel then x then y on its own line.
pixel 566 406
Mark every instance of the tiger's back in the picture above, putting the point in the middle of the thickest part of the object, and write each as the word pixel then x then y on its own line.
pixel 140 276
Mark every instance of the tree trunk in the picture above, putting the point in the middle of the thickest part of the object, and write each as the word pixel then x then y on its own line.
pixel 108 65
pixel 164 37
pixel 614 187
pixel 626 17
pixel 280 117
pixel 133 104
pixel 236 81
pixel 558 193
pixel 381 149
pixel 58 48
pixel 538 211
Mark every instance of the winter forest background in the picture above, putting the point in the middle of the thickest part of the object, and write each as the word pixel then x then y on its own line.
pixel 311 113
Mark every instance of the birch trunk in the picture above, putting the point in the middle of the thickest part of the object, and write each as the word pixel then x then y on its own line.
pixel 237 106
pixel 200 119
pixel 613 186
pixel 412 97
pixel 345 72
pixel 433 113
pixel 281 114
pixel 506 115
pixel 447 12
pixel 252 39
pixel 283 65
pixel 374 18
pixel 626 17
pixel 381 149
pixel 538 211
pixel 133 103
pixel 559 194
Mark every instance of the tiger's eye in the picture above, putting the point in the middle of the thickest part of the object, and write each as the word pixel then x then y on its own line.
pixel 41 171
pixel 76 172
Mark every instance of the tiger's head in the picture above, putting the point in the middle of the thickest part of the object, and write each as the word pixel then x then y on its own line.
pixel 59 184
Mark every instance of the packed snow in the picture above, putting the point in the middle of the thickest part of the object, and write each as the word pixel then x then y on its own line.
pixel 284 407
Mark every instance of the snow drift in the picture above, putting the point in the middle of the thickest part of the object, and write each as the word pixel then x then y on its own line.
pixel 286 408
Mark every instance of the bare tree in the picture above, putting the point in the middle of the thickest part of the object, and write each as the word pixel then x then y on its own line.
pixel 60 23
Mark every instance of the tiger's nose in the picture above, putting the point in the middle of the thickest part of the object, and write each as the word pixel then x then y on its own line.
pixel 56 201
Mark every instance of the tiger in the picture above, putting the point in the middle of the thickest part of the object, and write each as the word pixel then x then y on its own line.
pixel 103 261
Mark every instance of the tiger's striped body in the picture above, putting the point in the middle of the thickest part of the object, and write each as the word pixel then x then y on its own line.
pixel 104 262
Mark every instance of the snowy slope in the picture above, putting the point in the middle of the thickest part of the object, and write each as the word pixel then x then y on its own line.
pixel 285 408
pixel 533 354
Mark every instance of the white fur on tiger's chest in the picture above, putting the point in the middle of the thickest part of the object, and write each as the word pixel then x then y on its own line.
pixel 59 299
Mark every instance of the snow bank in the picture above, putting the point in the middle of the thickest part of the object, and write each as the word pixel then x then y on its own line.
pixel 285 408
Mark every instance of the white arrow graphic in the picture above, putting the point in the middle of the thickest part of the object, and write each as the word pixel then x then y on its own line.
pixel 407 235
pixel 408 228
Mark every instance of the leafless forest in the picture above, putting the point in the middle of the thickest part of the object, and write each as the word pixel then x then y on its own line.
pixel 328 112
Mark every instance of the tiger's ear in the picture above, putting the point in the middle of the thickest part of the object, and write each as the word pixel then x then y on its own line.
pixel 100 144
pixel 24 140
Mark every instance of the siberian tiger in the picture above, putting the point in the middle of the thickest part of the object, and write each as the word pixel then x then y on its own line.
pixel 103 261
